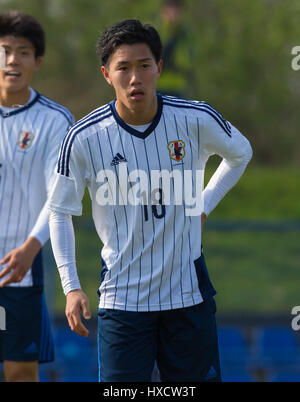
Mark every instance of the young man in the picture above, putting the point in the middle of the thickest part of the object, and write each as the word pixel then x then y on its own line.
pixel 155 297
pixel 32 129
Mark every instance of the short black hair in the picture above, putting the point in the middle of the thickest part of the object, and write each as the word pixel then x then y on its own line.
pixel 173 3
pixel 18 24
pixel 128 32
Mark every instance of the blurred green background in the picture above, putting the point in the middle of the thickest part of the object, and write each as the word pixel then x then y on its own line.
pixel 235 55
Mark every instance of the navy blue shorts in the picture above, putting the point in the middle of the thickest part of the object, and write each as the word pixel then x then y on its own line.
pixel 27 336
pixel 183 342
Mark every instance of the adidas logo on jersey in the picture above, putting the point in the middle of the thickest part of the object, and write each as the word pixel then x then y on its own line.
pixel 117 159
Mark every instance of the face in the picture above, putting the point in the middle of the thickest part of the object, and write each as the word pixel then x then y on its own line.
pixel 21 63
pixel 133 72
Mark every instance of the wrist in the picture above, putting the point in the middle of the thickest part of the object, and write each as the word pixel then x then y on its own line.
pixel 33 245
pixel 70 292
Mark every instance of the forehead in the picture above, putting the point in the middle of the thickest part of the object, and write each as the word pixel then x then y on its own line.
pixel 15 42
pixel 131 53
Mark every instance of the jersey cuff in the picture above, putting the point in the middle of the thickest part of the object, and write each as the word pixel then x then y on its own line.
pixel 66 211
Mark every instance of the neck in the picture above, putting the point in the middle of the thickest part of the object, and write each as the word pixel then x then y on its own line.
pixel 8 99
pixel 139 115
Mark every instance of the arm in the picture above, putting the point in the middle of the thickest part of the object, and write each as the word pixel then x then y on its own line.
pixel 236 152
pixel 63 245
pixel 65 200
pixel 224 178
pixel 20 259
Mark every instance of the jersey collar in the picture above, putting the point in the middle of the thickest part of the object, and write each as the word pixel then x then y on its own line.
pixel 132 130
pixel 20 109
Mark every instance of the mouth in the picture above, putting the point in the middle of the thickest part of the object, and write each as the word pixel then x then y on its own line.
pixel 137 94
pixel 12 73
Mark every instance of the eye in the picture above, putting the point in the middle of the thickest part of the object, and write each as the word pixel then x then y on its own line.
pixel 123 68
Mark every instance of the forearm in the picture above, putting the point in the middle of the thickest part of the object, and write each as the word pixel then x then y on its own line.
pixel 32 244
pixel 63 246
pixel 40 231
pixel 224 178
pixel 236 152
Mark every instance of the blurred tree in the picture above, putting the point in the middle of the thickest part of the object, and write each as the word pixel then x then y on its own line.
pixel 235 55
pixel 177 78
pixel 244 68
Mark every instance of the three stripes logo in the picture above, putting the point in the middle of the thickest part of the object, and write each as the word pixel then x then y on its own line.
pixel 203 106
pixel 118 159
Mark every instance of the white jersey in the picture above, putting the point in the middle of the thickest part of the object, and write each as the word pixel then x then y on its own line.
pixel 150 252
pixel 30 138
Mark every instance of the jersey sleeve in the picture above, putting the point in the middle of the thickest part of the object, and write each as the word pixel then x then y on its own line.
pixel 60 125
pixel 63 246
pixel 222 138
pixel 60 129
pixel 70 179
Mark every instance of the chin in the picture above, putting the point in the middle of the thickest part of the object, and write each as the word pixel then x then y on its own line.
pixel 15 88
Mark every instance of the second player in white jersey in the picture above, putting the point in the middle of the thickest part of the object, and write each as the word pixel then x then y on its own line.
pixel 151 250
pixel 30 139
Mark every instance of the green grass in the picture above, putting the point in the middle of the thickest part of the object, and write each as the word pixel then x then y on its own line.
pixel 262 193
pixel 254 271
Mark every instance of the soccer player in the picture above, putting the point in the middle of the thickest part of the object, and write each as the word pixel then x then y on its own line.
pixel 155 297
pixel 32 129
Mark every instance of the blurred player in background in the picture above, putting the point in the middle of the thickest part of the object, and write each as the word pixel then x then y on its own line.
pixel 31 130
pixel 156 300
pixel 177 78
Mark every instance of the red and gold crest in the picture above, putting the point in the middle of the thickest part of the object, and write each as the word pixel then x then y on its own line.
pixel 176 149
pixel 25 139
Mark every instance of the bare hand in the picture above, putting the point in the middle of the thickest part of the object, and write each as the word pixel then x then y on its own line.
pixel 77 302
pixel 19 261
pixel 203 219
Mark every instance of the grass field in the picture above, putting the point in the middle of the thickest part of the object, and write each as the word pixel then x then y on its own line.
pixel 253 271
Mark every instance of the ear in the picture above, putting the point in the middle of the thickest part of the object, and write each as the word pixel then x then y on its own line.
pixel 105 73
pixel 38 61
pixel 159 67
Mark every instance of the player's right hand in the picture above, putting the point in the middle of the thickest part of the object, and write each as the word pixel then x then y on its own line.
pixel 77 303
pixel 203 219
pixel 19 260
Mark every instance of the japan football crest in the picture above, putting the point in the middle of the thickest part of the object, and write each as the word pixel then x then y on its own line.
pixel 25 139
pixel 176 149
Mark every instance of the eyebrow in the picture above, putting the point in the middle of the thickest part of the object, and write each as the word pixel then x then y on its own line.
pixel 19 47
pixel 128 61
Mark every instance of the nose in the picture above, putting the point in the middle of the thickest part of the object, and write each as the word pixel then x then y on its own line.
pixel 12 58
pixel 135 77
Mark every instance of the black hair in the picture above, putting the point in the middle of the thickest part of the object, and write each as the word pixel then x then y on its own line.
pixel 173 3
pixel 18 24
pixel 128 32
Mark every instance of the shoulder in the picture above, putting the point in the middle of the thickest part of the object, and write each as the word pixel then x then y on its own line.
pixel 186 105
pixel 54 108
pixel 94 121
pixel 201 110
